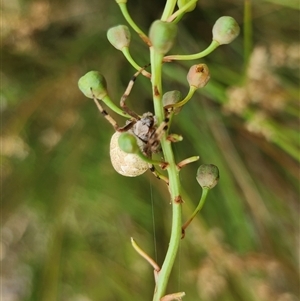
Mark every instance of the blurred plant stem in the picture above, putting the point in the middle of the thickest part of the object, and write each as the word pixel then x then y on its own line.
pixel 248 36
pixel 58 211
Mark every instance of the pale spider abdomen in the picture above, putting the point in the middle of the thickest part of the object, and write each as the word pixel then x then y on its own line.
pixel 129 165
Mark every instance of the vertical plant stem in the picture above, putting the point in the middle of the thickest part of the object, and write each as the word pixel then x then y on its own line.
pixel 248 39
pixel 169 8
pixel 173 173
pixel 128 18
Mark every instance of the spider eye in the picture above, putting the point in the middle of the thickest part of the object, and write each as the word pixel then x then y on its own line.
pixel 128 165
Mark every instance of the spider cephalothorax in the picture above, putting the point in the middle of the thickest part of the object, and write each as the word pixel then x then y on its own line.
pixel 145 131
pixel 144 127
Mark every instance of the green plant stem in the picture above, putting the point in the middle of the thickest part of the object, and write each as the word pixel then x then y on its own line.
pixel 182 10
pixel 174 183
pixel 149 160
pixel 144 255
pixel 106 99
pixel 187 161
pixel 213 45
pixel 169 8
pixel 128 18
pixel 133 63
pixel 186 99
pixel 198 208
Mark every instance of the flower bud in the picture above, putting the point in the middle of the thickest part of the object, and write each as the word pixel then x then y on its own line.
pixel 225 30
pixel 128 144
pixel 171 97
pixel 207 175
pixel 198 76
pixel 93 83
pixel 162 35
pixel 119 36
pixel 181 3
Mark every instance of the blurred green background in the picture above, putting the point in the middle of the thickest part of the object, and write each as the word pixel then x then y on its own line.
pixel 67 217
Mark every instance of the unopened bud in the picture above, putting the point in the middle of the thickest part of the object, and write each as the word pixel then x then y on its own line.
pixel 171 97
pixel 225 30
pixel 162 35
pixel 93 83
pixel 207 175
pixel 198 76
pixel 181 3
pixel 128 143
pixel 119 36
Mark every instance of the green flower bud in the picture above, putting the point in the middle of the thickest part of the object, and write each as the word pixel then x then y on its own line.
pixel 119 36
pixel 171 97
pixel 93 83
pixel 225 30
pixel 128 144
pixel 181 3
pixel 162 35
pixel 198 76
pixel 207 175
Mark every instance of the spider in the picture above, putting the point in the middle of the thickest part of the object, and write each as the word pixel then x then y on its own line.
pixel 144 128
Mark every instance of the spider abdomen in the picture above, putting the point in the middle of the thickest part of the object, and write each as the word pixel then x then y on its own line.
pixel 129 165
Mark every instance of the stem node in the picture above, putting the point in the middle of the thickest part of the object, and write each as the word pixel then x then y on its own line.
pixel 178 200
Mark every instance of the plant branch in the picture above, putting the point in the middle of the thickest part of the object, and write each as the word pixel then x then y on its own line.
pixel 195 56
pixel 197 210
pixel 169 8
pixel 128 18
pixel 174 183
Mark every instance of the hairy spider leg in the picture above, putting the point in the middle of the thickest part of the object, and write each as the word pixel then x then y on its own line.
pixel 153 145
pixel 158 175
pixel 127 92
pixel 155 138
pixel 104 113
pixel 110 119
